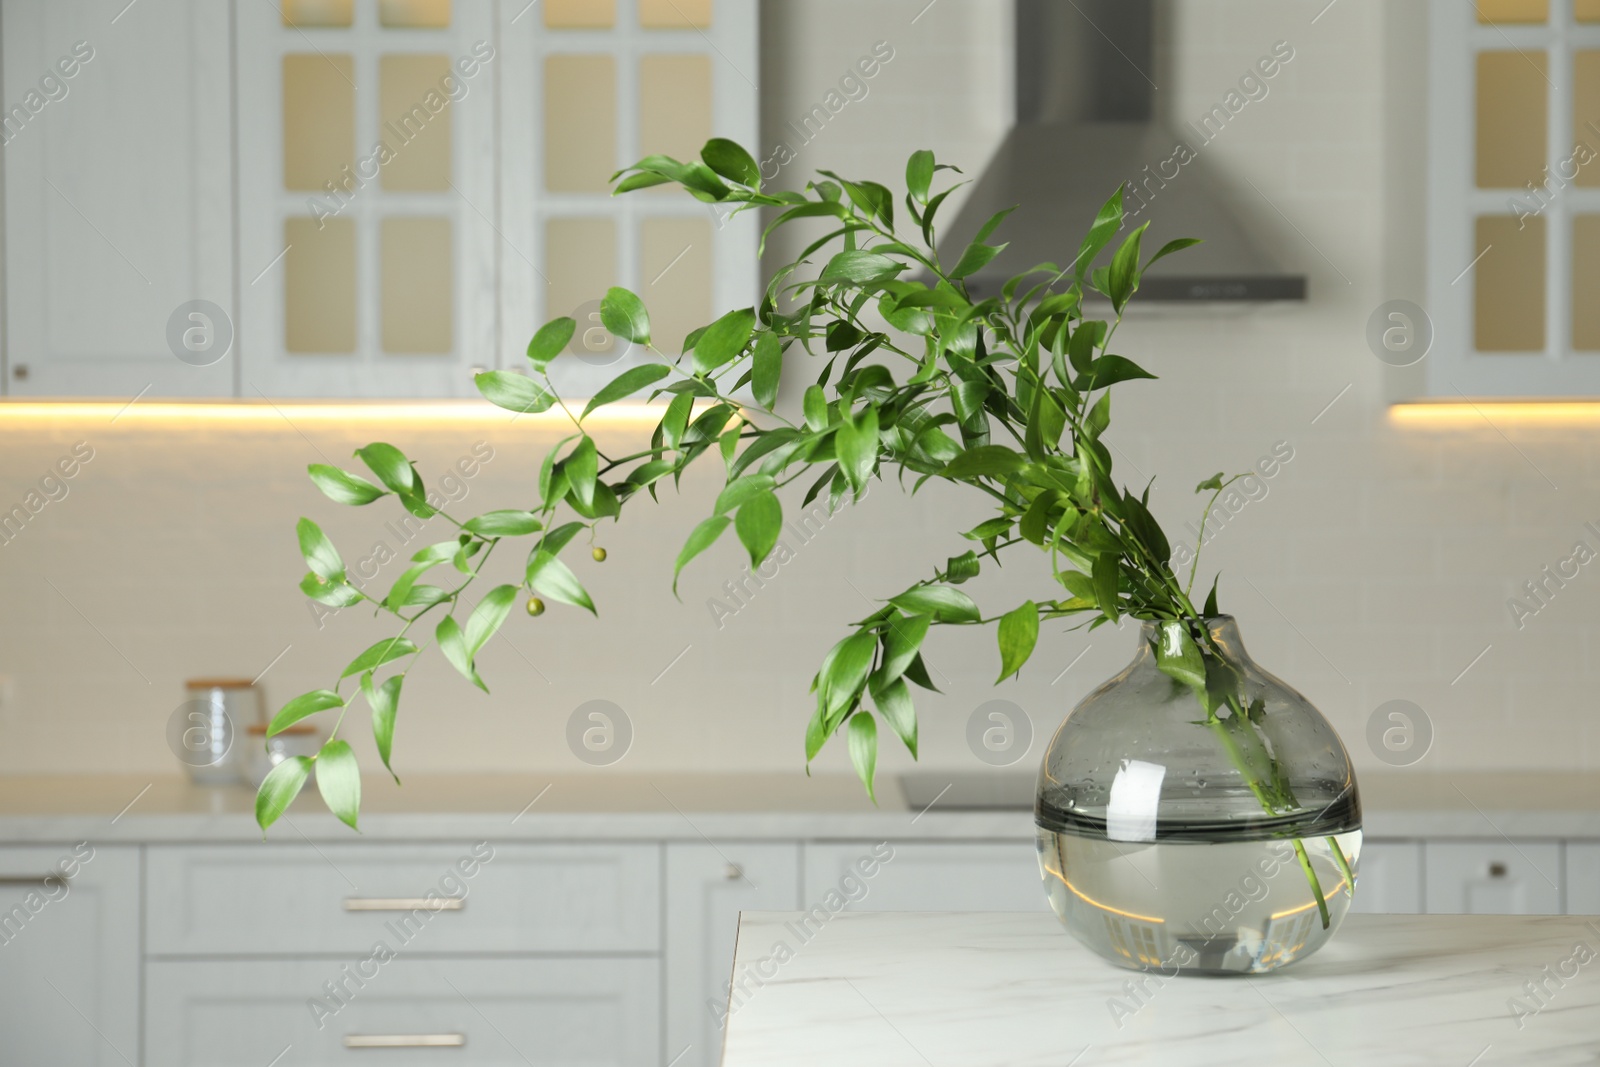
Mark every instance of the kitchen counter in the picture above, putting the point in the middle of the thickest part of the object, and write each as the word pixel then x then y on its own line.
pixel 1015 989
pixel 605 806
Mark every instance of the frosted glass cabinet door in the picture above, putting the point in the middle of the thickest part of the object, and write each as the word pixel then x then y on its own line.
pixel 69 956
pixel 118 199
pixel 707 887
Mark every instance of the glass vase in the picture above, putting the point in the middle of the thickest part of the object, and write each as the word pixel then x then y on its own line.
pixel 1184 840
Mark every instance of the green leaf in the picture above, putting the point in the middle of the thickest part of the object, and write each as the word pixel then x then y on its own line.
pixel 1178 656
pixel 987 461
pixel 863 743
pixel 488 615
pixel 758 524
pixel 582 468
pixel 514 392
pixel 1106 225
pixel 859 267
pixel 504 524
pixel 1125 269
pixel 1211 598
pixel 338 594
pixel 339 781
pixel 701 538
pixel 624 315
pixel 990 528
pixel 303 707
pixel 627 383
pixel 844 671
pixel 958 569
pixel 815 403
pixel 385 651
pixel 941 601
pixel 384 700
pixel 724 339
pixel 1213 483
pixel 1109 370
pixel 1172 246
pixel 731 161
pixel 767 370
pixel 919 175
pixel 1019 632
pixel 343 487
pixel 390 465
pixel 676 419
pixel 1099 417
pixel 900 644
pixel 857 445
pixel 554 579
pixel 278 790
pixel 454 646
pixel 319 553
pixel 557 539
pixel 975 258
pixel 551 340
pixel 1107 576
pixel 741 489
pixel 894 704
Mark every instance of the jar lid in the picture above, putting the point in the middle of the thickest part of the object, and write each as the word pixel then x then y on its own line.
pixel 219 683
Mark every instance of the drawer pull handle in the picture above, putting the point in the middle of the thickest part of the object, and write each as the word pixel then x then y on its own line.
pixel 30 879
pixel 405 1040
pixel 404 904
pixel 734 872
pixel 1497 869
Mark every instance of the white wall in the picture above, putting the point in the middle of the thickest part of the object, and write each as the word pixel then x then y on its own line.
pixel 1389 552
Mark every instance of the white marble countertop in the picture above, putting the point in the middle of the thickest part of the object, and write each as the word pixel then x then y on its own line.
pixel 926 990
pixel 604 805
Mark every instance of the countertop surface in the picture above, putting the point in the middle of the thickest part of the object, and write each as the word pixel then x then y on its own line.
pixel 624 806
pixel 923 989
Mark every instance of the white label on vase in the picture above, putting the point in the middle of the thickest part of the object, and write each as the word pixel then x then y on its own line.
pixel 1135 799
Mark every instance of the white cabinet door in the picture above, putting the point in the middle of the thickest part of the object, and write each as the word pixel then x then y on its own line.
pixel 924 876
pixel 347 1009
pixel 118 198
pixel 1583 878
pixel 1493 877
pixel 1389 881
pixel 69 956
pixel 707 887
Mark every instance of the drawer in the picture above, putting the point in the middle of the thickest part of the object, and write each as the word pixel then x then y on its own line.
pixel 303 899
pixel 924 876
pixel 1389 878
pixel 490 1013
pixel 1499 877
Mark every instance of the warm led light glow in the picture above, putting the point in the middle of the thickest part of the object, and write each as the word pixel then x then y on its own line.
pixel 1096 904
pixel 1498 412
pixel 295 412
pixel 1309 905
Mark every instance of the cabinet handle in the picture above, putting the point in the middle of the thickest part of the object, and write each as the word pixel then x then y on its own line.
pixel 405 1040
pixel 404 904
pixel 30 879
pixel 1497 869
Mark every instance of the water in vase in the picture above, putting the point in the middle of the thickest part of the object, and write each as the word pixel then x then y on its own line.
pixel 1195 903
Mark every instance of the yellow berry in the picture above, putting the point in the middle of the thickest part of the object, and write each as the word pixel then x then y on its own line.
pixel 599 555
pixel 535 606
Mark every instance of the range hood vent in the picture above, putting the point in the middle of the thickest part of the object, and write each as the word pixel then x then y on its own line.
pixel 1086 122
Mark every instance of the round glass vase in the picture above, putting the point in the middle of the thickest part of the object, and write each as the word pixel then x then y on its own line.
pixel 1192 841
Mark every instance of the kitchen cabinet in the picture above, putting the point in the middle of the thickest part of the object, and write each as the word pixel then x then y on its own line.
pixel 69 955
pixel 708 885
pixel 118 173
pixel 1583 878
pixel 1389 881
pixel 925 876
pixel 487 1012
pixel 1500 877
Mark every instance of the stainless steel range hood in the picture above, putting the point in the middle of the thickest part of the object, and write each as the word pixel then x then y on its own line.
pixel 1085 123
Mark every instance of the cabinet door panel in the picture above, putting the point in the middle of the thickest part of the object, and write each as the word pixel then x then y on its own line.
pixel 1389 881
pixel 1493 877
pixel 118 199
pixel 1583 878
pixel 924 876
pixel 491 1013
pixel 295 899
pixel 706 889
pixel 69 956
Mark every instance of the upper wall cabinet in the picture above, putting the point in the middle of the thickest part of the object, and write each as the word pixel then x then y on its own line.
pixel 377 200
pixel 118 170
